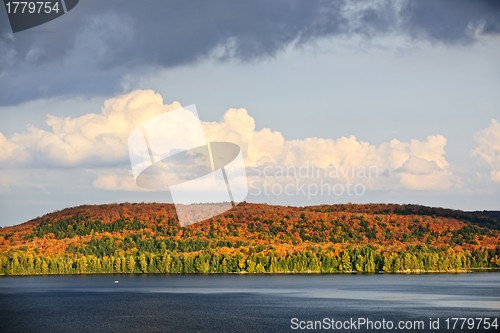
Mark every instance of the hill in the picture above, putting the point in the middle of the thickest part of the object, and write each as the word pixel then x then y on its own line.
pixel 255 238
pixel 492 214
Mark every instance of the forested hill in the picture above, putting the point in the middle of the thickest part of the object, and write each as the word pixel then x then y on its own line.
pixel 492 214
pixel 255 238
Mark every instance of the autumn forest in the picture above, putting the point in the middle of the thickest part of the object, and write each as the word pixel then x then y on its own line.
pixel 252 238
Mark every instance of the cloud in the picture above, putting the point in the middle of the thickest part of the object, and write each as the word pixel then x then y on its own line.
pixel 117 180
pixel 452 21
pixel 422 174
pixel 419 165
pixel 92 140
pixel 99 141
pixel 94 46
pixel 488 149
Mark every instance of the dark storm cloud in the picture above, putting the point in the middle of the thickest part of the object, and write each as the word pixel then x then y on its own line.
pixel 90 49
pixel 451 21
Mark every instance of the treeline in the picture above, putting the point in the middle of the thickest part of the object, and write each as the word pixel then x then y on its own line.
pixel 351 230
pixel 362 259
pixel 83 225
pixel 493 214
pixel 489 219
pixel 249 238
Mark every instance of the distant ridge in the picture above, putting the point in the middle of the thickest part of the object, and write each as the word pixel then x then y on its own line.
pixel 485 218
pixel 251 238
pixel 492 214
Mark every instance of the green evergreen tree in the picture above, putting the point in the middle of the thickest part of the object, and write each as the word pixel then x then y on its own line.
pixel 143 263
pixel 82 264
pixel 387 264
pixel 31 264
pixel 166 262
pixel 346 262
pixel 131 264
pixel 118 265
pixel 250 265
pixel 398 266
pixel 45 267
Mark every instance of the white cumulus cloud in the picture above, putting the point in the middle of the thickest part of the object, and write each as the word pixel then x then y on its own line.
pixel 99 141
pixel 488 149
pixel 419 165
pixel 94 139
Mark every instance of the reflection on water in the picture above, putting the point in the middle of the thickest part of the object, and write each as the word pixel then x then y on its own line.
pixel 282 297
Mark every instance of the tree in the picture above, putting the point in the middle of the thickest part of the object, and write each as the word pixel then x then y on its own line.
pixel 408 262
pixel 387 264
pixel 82 264
pixel 16 267
pixel 31 265
pixel 433 262
pixel 166 262
pixel 282 265
pixel 45 267
pixel 38 265
pixel 250 265
pixel 131 264
pixel 370 263
pixel 398 267
pixel 273 267
pixel 143 263
pixel 313 263
pixel 259 268
pixel 109 264
pixel 152 263
pixel 123 261
pixel 118 265
pixel 241 264
pixel 346 262
pixel 224 265
pixel 201 264
pixel 359 263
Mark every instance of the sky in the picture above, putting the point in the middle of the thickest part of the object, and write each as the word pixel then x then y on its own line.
pixel 409 90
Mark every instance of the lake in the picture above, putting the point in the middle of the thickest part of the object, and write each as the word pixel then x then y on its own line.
pixel 248 303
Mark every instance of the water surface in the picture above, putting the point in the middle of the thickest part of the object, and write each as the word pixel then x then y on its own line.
pixel 239 303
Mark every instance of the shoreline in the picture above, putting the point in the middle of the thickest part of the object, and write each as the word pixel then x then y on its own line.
pixel 470 270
